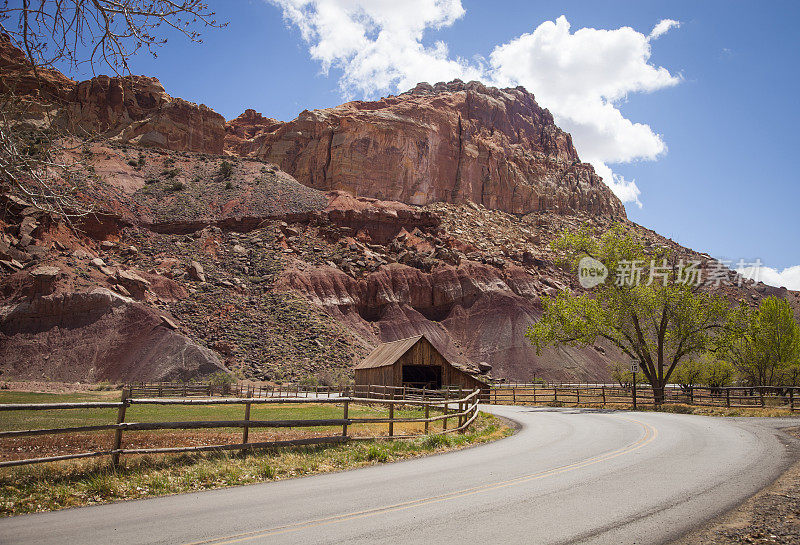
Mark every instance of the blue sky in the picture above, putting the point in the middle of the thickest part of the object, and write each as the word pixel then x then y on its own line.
pixel 715 96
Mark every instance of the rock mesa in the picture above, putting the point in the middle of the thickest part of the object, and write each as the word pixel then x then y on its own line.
pixel 452 142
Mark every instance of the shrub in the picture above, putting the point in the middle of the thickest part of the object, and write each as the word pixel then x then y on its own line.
pixel 170 172
pixel 225 170
pixel 229 185
pixel 436 441
pixel 309 381
pixel 176 186
pixel 377 454
pixel 221 380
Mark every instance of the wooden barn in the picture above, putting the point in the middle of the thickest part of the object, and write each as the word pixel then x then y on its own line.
pixel 413 362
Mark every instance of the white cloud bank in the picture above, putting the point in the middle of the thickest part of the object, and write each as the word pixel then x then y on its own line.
pixel 788 277
pixel 580 76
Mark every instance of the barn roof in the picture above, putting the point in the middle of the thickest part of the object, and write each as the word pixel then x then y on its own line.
pixel 388 353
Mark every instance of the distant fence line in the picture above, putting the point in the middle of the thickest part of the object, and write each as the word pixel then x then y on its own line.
pixel 728 397
pixel 464 415
pixel 376 391
pixel 504 393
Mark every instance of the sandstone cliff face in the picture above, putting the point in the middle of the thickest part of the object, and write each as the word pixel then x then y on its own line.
pixel 137 110
pixel 454 142
pixel 132 109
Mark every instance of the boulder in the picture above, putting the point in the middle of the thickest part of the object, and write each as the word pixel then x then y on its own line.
pixel 196 272
pixel 135 284
pixel 45 278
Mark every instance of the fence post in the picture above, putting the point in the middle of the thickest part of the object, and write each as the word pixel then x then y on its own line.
pixel 446 406
pixel 345 417
pixel 118 433
pixel 555 393
pixel 577 396
pixel 391 419
pixel 246 430
pixel 427 416
pixel 604 395
pixel 513 395
pixel 761 395
pixel 728 397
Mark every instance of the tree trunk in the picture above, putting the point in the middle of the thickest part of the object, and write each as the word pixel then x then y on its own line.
pixel 658 394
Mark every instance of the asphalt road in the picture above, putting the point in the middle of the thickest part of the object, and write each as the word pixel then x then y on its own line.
pixel 568 476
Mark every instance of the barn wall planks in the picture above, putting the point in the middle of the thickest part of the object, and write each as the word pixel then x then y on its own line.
pixel 422 353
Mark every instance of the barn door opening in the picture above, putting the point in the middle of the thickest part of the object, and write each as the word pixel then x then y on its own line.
pixel 419 376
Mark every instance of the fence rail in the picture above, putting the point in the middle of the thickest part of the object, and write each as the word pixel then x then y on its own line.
pixel 464 414
pixel 167 389
pixel 728 397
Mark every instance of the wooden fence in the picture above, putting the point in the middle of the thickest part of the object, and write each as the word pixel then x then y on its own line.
pixel 466 411
pixel 175 389
pixel 604 395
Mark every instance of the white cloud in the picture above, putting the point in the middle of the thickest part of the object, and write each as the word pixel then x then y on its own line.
pixel 788 277
pixel 378 43
pixel 663 26
pixel 581 76
pixel 626 190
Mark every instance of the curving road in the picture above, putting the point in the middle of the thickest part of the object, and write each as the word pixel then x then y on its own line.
pixel 567 476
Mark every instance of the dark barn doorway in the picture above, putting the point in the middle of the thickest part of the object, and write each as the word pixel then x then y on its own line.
pixel 422 376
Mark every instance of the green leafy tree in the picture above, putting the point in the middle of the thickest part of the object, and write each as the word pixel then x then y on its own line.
pixel 689 373
pixel 763 343
pixel 718 373
pixel 704 369
pixel 657 321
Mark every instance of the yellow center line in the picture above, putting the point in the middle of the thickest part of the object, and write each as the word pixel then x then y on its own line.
pixel 650 433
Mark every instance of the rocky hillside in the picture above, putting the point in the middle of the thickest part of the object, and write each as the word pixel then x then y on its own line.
pixel 297 248
pixel 453 142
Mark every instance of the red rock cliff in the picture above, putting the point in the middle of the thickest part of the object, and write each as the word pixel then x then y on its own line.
pixel 451 142
pixel 131 109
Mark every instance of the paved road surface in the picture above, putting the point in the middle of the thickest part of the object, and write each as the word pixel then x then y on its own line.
pixel 568 476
